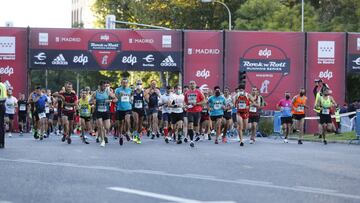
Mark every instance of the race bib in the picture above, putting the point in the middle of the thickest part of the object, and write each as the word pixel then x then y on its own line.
pixel 102 109
pixel 253 109
pixel 138 105
pixel 47 109
pixel 192 99
pixel 300 109
pixel 55 110
pixel 217 106
pixel 125 99
pixel 325 111
pixel 242 105
pixel 85 111
pixel 42 115
pixel 22 107
pixel 69 108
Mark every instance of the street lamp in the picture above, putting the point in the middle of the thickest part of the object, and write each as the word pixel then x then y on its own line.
pixel 210 1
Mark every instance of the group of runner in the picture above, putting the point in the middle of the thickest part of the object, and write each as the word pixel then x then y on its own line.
pixel 185 114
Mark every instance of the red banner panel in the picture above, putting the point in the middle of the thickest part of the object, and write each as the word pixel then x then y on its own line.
pixel 204 58
pixel 273 61
pixel 95 49
pixel 13 48
pixel 326 61
pixel 353 63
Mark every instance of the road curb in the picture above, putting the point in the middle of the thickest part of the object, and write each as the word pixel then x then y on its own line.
pixel 354 142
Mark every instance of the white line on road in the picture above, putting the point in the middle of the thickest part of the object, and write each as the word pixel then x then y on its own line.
pixel 262 184
pixel 160 196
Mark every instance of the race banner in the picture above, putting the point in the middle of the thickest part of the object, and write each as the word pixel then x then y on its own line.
pixel 13 48
pixel 91 49
pixel 353 60
pixel 203 58
pixel 325 61
pixel 273 62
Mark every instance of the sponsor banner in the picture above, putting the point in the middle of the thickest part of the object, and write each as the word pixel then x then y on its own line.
pixel 325 60
pixel 13 48
pixel 203 58
pixel 273 61
pixel 153 50
pixel 353 63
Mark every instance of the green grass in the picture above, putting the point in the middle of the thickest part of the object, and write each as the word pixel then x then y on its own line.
pixel 329 137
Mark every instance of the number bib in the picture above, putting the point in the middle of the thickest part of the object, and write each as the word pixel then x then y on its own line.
pixel 102 108
pixel 47 109
pixel 217 106
pixel 22 107
pixel 85 111
pixel 242 105
pixel 325 111
pixel 125 99
pixel 42 115
pixel 192 99
pixel 253 109
pixel 138 104
pixel 300 109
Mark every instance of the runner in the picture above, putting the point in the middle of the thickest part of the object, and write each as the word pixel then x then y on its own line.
pixel 227 112
pixel 49 110
pixel 164 103
pixel 242 104
pixel 298 111
pixel 217 104
pixel 102 98
pixel 22 113
pixel 70 102
pixel 324 103
pixel 85 115
pixel 39 100
pixel 10 107
pixel 123 110
pixel 284 106
pixel 254 114
pixel 194 100
pixel 185 123
pixel 177 112
pixel 205 121
pixel 138 106
pixel 152 96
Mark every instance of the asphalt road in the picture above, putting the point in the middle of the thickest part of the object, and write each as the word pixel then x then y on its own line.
pixel 268 171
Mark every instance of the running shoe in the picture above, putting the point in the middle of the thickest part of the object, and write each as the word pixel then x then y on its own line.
pixel 121 140
pixel 192 144
pixel 286 141
pixel 179 142
pixel 166 140
pixel 241 144
pixel 325 142
pixel 84 140
pixel 127 137
pixel 63 138
pixel 216 141
pixel 152 136
pixel 300 142
pixel 102 143
pixel 68 140
pixel 185 140
pixel 251 142
pixel 10 135
pixel 197 138
pixel 106 140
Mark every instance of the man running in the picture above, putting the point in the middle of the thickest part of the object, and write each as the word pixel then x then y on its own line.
pixel 177 112
pixel 298 111
pixel 217 105
pixel 123 110
pixel 254 114
pixel 194 100
pixel 164 102
pixel 138 110
pixel 39 100
pixel 242 104
pixel 102 99
pixel 324 104
pixel 284 106
pixel 85 115
pixel 10 107
pixel 227 111
pixel 152 96
pixel 70 102
pixel 22 112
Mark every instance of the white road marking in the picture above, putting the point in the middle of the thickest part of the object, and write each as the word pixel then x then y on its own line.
pixel 161 196
pixel 263 184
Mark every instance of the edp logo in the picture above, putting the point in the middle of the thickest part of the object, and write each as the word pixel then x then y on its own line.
pixel 266 52
pixel 203 73
pixel 326 74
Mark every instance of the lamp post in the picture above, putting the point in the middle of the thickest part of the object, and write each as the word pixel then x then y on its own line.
pixel 227 8
pixel 302 15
